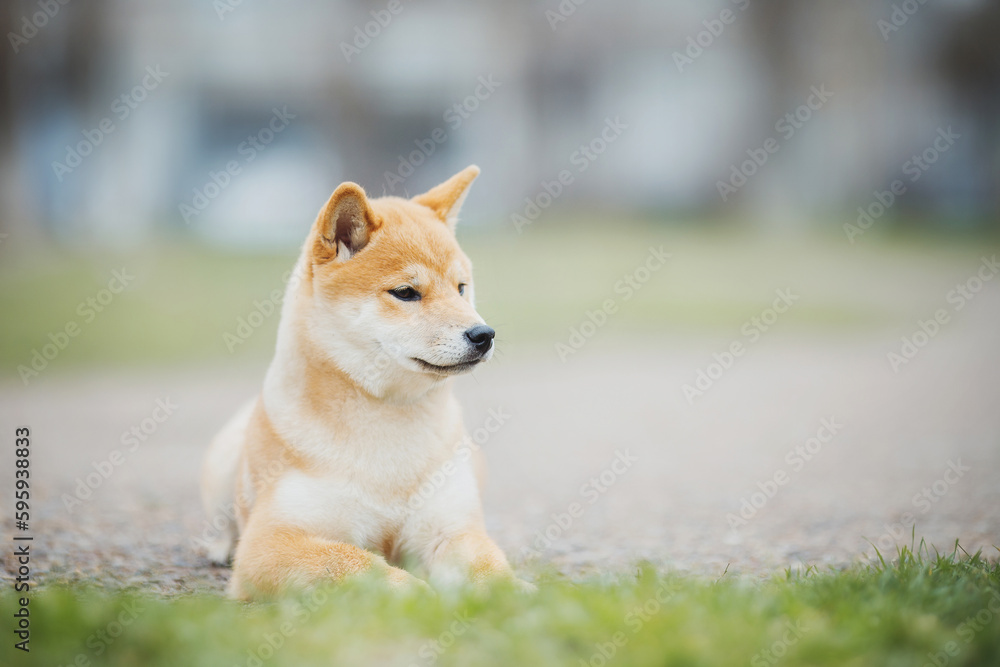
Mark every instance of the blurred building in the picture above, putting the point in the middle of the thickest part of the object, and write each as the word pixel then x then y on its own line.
pixel 234 120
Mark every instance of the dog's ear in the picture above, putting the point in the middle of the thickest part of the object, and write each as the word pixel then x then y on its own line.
pixel 345 224
pixel 446 199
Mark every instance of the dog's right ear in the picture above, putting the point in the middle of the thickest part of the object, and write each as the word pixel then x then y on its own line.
pixel 345 224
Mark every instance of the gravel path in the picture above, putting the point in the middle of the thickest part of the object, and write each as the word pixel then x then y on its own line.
pixel 689 467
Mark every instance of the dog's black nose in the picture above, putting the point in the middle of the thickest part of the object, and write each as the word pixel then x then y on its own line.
pixel 481 337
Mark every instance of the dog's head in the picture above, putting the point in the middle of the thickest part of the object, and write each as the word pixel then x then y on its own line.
pixel 391 292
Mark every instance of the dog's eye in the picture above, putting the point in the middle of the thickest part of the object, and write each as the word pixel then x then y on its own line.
pixel 405 293
pixel 461 289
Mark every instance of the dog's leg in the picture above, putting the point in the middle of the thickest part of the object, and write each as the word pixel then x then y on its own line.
pixel 470 556
pixel 271 560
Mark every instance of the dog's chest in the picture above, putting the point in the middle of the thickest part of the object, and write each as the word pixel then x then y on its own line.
pixel 341 507
pixel 355 483
pixel 359 493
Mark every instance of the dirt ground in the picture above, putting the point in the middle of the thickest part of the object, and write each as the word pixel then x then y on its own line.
pixel 918 446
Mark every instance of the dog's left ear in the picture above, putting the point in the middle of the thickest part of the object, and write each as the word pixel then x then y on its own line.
pixel 345 224
pixel 446 199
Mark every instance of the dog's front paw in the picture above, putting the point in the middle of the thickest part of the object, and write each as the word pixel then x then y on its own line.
pixel 524 587
pixel 220 552
pixel 401 580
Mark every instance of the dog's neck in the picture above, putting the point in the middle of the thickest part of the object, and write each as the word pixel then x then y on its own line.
pixel 307 370
pixel 312 403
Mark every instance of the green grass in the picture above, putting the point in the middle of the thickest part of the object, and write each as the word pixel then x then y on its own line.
pixel 531 287
pixel 899 613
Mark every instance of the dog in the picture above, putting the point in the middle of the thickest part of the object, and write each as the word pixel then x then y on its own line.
pixel 325 467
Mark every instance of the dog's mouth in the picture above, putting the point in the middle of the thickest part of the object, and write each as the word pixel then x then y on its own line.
pixel 451 369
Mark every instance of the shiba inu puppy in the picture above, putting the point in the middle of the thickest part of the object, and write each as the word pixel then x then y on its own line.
pixel 357 411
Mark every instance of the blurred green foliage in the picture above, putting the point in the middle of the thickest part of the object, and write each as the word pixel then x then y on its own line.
pixel 883 614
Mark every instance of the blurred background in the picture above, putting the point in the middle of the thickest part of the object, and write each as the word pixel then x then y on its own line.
pixel 361 96
pixel 847 151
